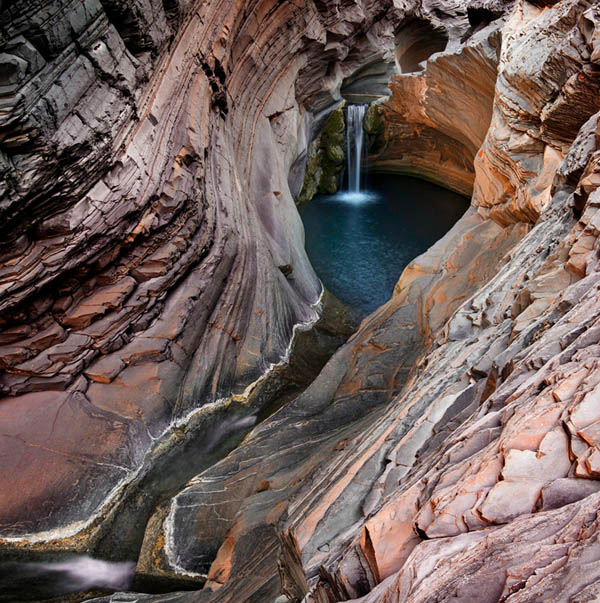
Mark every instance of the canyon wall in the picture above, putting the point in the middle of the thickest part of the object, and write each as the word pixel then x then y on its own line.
pixel 435 120
pixel 447 451
pixel 153 269
pixel 152 260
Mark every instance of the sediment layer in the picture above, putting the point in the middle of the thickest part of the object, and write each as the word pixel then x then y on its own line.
pixel 153 259
pixel 154 266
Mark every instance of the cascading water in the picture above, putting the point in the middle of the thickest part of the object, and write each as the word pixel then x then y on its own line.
pixel 354 145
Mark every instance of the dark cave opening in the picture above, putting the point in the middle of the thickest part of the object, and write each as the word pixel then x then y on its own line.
pixel 481 17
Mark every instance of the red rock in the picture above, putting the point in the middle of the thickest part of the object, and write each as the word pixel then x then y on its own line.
pixel 102 301
pixel 61 438
pixel 105 369
pixel 140 192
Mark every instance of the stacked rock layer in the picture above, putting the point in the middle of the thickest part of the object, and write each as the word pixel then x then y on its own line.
pixel 152 262
pixel 448 451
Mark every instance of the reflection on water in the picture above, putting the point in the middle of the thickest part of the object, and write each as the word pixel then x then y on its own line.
pixel 32 581
pixel 359 242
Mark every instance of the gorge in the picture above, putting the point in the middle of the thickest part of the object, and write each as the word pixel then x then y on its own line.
pixel 177 389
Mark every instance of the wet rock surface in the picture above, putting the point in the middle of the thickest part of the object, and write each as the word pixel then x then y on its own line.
pixel 325 159
pixel 153 266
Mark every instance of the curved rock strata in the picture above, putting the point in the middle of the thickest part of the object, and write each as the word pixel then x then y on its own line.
pixel 448 450
pixel 153 260
pixel 436 119
pixel 547 88
pixel 240 501
pixel 154 270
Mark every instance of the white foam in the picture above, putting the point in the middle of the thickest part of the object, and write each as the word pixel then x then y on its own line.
pixel 356 197
pixel 86 572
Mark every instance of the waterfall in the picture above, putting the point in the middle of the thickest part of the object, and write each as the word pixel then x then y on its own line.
pixel 354 144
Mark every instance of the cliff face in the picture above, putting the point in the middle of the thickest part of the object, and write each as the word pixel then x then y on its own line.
pixel 446 450
pixel 152 256
pixel 449 449
pixel 424 128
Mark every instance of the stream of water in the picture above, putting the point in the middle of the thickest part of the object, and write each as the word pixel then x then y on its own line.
pixel 354 146
pixel 34 581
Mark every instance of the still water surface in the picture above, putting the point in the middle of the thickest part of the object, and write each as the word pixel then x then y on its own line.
pixel 359 243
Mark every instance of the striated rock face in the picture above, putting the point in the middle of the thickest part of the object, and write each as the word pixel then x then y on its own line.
pixel 436 118
pixel 448 450
pixel 316 440
pixel 534 124
pixel 152 261
pixel 153 267
pixel 485 473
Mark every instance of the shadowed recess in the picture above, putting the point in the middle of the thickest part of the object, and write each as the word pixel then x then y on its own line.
pixel 416 42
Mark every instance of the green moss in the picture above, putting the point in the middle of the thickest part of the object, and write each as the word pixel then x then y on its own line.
pixel 312 174
pixel 375 128
pixel 332 152
pixel 325 159
pixel 335 126
pixel 328 184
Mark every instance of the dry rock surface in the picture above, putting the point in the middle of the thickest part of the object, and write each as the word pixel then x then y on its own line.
pixel 152 272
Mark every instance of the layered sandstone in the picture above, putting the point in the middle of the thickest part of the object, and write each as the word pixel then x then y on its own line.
pixel 447 451
pixel 436 118
pixel 154 268
pixel 152 258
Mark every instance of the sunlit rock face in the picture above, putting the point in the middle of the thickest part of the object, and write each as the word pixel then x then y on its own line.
pixel 450 449
pixel 547 88
pixel 437 117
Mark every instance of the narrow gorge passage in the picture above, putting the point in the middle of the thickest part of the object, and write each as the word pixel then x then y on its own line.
pixel 184 405
pixel 359 244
